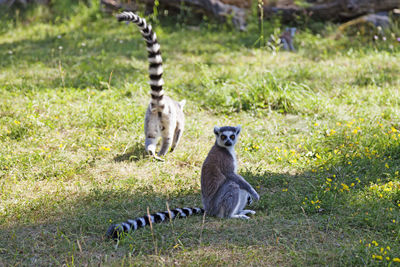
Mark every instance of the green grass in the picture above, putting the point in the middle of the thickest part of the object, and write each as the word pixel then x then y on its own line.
pixel 320 142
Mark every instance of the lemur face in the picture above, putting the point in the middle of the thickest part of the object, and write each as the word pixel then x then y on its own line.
pixel 226 136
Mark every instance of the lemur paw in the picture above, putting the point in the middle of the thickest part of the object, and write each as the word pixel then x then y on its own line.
pixel 244 212
pixel 240 216
pixel 256 196
pixel 158 158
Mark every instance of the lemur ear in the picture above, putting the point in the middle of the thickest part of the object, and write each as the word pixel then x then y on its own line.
pixel 216 130
pixel 182 103
pixel 238 129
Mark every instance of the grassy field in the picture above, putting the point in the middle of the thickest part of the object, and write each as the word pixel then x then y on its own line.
pixel 320 143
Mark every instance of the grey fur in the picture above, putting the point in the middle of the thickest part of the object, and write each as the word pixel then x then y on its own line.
pixel 224 192
pixel 287 39
pixel 164 116
pixel 168 123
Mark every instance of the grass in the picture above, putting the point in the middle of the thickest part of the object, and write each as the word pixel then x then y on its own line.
pixel 320 143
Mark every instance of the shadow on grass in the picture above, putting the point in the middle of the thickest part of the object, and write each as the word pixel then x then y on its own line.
pixel 135 153
pixel 73 230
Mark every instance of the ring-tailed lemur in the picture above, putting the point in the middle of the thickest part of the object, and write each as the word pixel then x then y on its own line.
pixel 164 116
pixel 224 192
pixel 115 231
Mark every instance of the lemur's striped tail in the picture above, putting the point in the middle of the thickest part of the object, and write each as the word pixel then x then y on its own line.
pixel 154 55
pixel 116 230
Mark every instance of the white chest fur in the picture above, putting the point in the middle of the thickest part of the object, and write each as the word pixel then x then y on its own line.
pixel 233 154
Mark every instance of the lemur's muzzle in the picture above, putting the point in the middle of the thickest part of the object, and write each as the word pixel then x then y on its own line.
pixel 228 143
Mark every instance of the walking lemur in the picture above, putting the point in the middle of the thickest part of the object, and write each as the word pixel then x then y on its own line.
pixel 164 116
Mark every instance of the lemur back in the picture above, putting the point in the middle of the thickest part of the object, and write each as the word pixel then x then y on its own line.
pixel 164 116
pixel 224 192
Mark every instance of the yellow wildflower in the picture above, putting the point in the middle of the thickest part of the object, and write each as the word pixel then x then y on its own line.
pixel 330 132
pixel 396 259
pixel 345 187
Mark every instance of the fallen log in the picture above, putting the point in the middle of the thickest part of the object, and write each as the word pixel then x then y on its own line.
pixel 213 8
pixel 337 10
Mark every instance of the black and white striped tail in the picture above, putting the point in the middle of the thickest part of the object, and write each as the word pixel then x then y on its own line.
pixel 117 230
pixel 154 56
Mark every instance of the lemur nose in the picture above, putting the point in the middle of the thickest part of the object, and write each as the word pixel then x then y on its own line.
pixel 228 143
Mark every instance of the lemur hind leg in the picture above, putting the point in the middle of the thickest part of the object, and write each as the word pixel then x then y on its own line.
pixel 231 201
pixel 177 137
pixel 167 133
pixel 180 124
pixel 240 212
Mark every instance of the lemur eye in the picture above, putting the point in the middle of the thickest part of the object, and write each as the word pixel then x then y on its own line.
pixel 223 137
pixel 232 137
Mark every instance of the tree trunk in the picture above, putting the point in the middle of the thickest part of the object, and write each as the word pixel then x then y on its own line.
pixel 214 8
pixel 337 10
